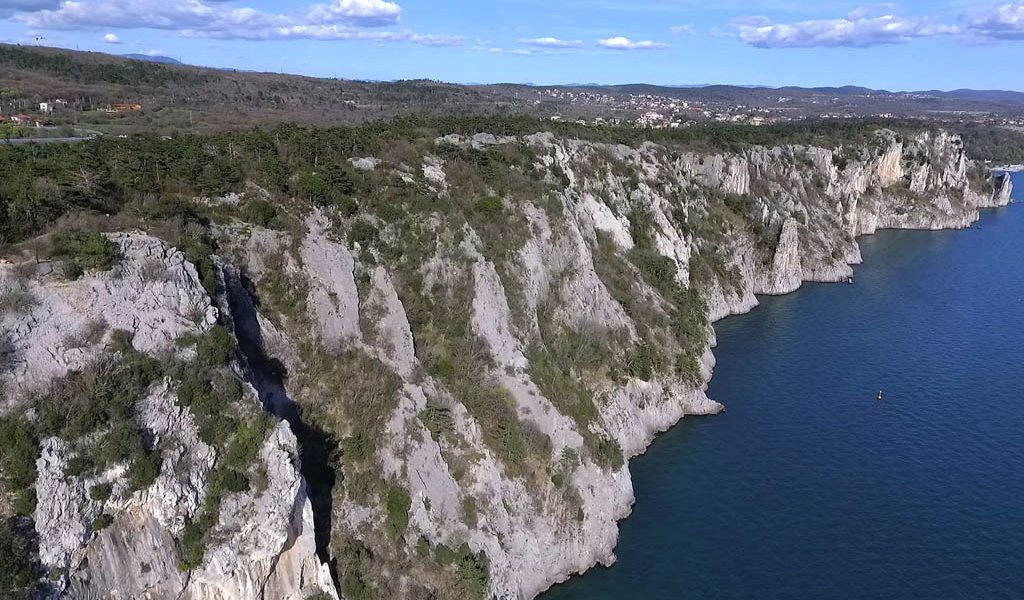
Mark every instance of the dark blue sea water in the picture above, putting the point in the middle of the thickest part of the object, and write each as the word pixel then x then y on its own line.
pixel 808 487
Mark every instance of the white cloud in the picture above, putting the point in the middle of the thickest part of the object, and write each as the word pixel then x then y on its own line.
pixel 336 20
pixel 624 43
pixel 485 47
pixel 150 14
pixel 437 40
pixel 111 38
pixel 1006 22
pixel 324 33
pixel 681 29
pixel 856 30
pixel 551 42
pixel 362 13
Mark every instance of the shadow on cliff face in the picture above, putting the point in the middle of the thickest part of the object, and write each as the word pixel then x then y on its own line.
pixel 267 375
pixel 7 350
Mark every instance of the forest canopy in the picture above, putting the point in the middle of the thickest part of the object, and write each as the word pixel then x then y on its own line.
pixel 40 183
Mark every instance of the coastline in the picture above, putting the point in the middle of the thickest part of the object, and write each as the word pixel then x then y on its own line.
pixel 672 504
pixel 1001 198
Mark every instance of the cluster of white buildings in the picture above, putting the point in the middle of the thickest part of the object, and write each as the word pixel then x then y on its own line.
pixel 48 108
pixel 678 119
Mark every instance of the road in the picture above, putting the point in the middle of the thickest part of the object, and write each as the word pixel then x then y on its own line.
pixel 89 134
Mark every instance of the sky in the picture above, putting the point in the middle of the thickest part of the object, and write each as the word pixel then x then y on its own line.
pixel 906 45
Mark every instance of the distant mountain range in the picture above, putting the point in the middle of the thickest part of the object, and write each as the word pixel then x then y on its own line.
pixel 158 58
pixel 719 92
pixel 738 92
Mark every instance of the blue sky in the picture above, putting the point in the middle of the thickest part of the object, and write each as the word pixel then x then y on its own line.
pixel 897 45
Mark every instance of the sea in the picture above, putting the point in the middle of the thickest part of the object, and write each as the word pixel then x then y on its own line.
pixel 808 486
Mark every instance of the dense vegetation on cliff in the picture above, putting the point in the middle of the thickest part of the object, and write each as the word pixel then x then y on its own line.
pixel 1001 145
pixel 38 184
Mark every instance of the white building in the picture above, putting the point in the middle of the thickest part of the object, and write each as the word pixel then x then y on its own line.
pixel 651 119
pixel 45 108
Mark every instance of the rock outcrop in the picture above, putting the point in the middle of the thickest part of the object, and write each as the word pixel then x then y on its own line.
pixel 155 294
pixel 265 546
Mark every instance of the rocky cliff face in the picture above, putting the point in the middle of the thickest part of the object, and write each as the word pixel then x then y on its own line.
pixel 557 284
pixel 123 542
pixel 481 347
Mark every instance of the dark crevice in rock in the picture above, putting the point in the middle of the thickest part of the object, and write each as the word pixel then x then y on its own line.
pixel 268 375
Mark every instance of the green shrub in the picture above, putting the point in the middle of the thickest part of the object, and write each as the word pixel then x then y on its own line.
pixel 19 565
pixel 94 411
pixel 490 206
pixel 72 270
pixel 436 419
pixel 444 555
pixel 347 206
pixel 198 249
pixel 144 470
pixel 101 492
pixel 363 233
pixel 659 271
pixel 644 362
pixel 422 547
pixel 397 505
pixel 85 249
pixel 473 573
pixel 260 212
pixel 25 502
pixel 215 348
pixel 352 555
pixel 353 587
pixel 609 454
pixel 360 446
pixel 391 212
pixel 470 515
pixel 102 522
pixel 282 293
pixel 121 341
pixel 641 229
pixel 191 544
pixel 18 453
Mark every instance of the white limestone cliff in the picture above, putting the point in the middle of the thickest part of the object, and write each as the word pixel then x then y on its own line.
pixel 266 547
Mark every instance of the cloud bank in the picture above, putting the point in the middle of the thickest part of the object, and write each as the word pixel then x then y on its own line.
pixel 551 42
pixel 855 30
pixel 624 43
pixel 862 28
pixel 337 20
pixel 1003 23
